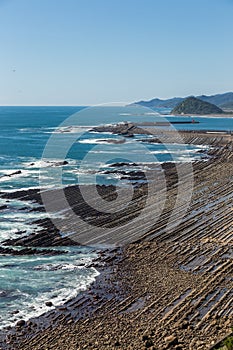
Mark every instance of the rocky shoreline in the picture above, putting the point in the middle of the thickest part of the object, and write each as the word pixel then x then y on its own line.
pixel 128 129
pixel 164 291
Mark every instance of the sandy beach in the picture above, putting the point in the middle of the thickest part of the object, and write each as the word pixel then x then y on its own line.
pixel 166 290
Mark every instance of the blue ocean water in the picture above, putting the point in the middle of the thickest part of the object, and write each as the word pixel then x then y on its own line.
pixel 28 282
pixel 205 123
pixel 24 132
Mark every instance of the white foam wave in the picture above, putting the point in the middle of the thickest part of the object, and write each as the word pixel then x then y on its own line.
pixel 72 129
pixel 102 141
pixel 62 285
pixel 38 164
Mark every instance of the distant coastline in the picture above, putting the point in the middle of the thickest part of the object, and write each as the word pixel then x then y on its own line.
pixel 222 115
pixel 224 101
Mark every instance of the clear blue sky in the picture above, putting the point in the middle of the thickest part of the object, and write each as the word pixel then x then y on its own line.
pixel 81 52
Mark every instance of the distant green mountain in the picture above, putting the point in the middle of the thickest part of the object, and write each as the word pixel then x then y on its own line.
pixel 227 105
pixel 156 102
pixel 193 105
pixel 219 100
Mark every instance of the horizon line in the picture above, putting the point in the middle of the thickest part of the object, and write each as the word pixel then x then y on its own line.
pixel 106 103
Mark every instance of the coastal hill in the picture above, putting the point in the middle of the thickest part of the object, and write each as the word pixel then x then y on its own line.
pixel 227 106
pixel 219 100
pixel 156 102
pixel 193 105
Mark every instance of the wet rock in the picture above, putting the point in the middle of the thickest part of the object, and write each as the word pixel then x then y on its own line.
pixel 15 312
pixel 23 208
pixel 20 232
pixel 44 238
pixel 122 164
pixel 149 343
pixel 182 325
pixel 48 303
pixel 29 251
pixel 60 163
pixel 12 174
pixel 21 323
pixel 171 340
pixel 145 337
pixel 62 308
